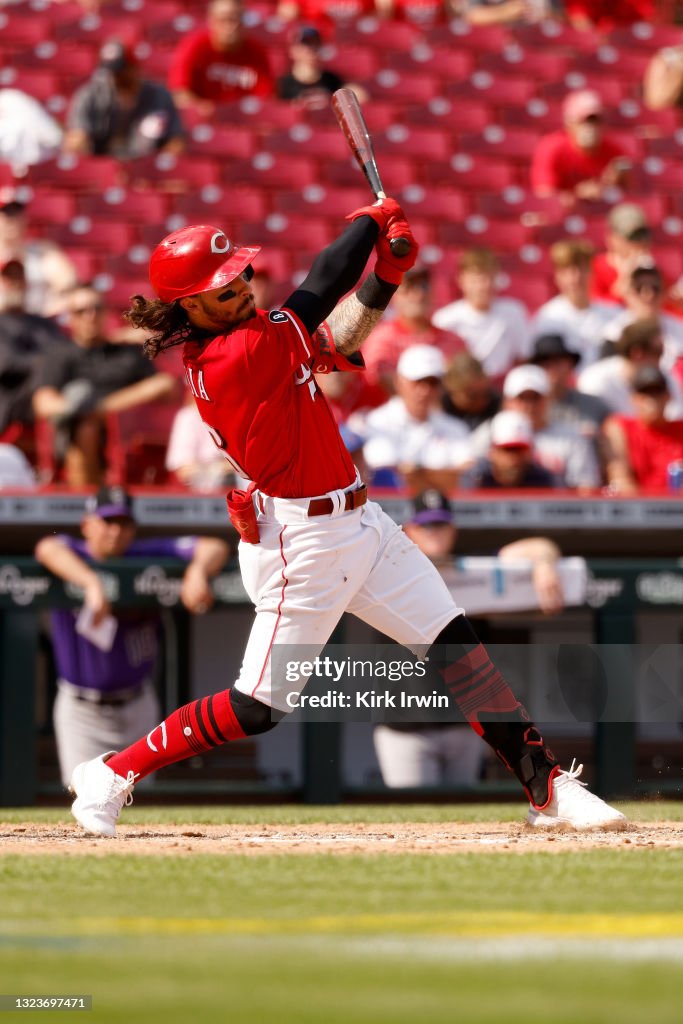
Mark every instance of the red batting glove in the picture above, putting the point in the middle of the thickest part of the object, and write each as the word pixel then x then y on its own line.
pixel 389 267
pixel 381 212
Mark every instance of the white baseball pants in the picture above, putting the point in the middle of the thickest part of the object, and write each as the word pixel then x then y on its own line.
pixel 307 571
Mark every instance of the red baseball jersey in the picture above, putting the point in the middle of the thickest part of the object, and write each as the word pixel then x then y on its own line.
pixel 256 392
pixel 220 76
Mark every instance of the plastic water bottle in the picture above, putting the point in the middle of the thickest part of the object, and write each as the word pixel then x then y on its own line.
pixel 674 476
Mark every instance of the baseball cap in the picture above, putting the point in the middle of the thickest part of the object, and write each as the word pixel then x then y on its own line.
pixel 629 220
pixel 581 104
pixel 526 378
pixel 649 378
pixel 421 361
pixel 115 55
pixel 308 35
pixel 551 346
pixel 110 503
pixel 431 506
pixel 511 429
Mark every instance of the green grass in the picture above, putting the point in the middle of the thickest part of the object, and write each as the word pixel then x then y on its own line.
pixel 591 937
pixel 292 814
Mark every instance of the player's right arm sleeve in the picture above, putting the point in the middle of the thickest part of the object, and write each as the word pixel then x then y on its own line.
pixel 334 272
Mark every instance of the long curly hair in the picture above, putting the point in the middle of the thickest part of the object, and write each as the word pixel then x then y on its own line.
pixel 166 322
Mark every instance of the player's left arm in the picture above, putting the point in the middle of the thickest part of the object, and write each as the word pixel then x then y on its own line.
pixel 210 555
pixel 339 266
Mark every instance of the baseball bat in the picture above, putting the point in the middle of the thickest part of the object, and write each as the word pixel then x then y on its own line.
pixel 351 121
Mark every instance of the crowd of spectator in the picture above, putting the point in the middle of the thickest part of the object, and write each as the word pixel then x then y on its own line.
pixel 472 388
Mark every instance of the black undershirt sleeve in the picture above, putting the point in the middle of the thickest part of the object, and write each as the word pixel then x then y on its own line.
pixel 335 271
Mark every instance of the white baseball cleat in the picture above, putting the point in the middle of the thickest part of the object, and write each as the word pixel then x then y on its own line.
pixel 100 794
pixel 574 806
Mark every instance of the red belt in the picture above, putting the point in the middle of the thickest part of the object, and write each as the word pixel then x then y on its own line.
pixel 325 506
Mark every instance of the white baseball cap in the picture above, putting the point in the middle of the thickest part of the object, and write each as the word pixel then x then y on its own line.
pixel 510 428
pixel 526 378
pixel 420 361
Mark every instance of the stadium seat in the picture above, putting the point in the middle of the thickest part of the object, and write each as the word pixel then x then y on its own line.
pixel 531 289
pixel 511 144
pixel 402 87
pixel 384 35
pixel 442 61
pixel 471 172
pixel 449 115
pixel 85 173
pixel 222 141
pixel 288 232
pixel 130 206
pixel 137 440
pixel 538 65
pixel 520 204
pixel 40 83
pixel 402 139
pixel 19 23
pixel 438 204
pixel 501 90
pixel 346 174
pixel 321 201
pixel 265 114
pixel 273 171
pixel 306 140
pixel 477 231
pixel 173 173
pixel 102 236
pixel 354 63
pixel 476 39
pixel 48 207
pixel 215 205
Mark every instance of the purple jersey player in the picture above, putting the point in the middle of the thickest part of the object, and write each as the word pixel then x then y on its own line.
pixel 106 658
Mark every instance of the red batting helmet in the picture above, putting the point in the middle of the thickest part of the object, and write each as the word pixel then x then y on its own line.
pixel 196 259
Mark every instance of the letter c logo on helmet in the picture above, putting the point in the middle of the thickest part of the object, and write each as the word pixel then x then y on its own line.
pixel 196 259
pixel 215 246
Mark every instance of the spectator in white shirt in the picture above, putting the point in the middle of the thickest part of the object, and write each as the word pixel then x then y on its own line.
pixel 644 298
pixel 191 454
pixel 410 433
pixel 496 330
pixel 559 447
pixel 571 312
pixel 611 379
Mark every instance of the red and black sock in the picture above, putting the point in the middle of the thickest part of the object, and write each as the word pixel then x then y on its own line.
pixel 192 729
pixel 485 699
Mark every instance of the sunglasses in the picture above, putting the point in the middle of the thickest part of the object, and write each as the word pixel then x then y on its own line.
pixel 648 286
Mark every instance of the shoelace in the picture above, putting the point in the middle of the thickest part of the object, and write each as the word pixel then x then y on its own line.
pixel 573 776
pixel 130 779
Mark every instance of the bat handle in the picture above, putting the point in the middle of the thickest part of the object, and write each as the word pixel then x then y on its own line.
pixel 399 246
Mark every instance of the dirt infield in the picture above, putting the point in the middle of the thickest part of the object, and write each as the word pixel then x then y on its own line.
pixel 174 840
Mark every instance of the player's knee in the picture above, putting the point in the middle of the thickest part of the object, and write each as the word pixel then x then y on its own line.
pixel 254 716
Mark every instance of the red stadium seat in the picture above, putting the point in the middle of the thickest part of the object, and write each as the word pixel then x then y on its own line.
pixel 266 114
pixel 401 139
pixel 294 233
pixel 223 141
pixel 306 140
pixel 471 172
pixel 477 231
pixel 20 24
pixel 448 114
pixel 130 206
pixel 539 115
pixel 215 205
pixel 103 236
pixel 354 63
pixel 345 173
pixel 443 62
pixel 539 65
pixel 384 35
pixel 321 201
pixel 531 289
pixel 476 39
pixel 402 87
pixel 40 83
pixel 85 173
pixel 442 205
pixel 515 144
pixel 273 171
pixel 173 173
pixel 520 204
pixel 611 89
pixel 48 207
pixel 501 90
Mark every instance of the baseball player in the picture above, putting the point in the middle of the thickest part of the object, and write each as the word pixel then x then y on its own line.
pixel 312 544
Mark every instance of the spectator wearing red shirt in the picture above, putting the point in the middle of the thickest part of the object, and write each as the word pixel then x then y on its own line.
pixel 604 15
pixel 642 447
pixel 628 244
pixel 579 161
pixel 411 326
pixel 219 63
